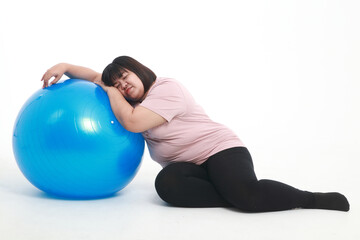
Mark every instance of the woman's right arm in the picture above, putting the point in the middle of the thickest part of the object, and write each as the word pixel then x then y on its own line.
pixel 72 71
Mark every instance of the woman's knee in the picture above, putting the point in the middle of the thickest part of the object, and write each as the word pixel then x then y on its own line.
pixel 171 179
pixel 244 197
pixel 162 183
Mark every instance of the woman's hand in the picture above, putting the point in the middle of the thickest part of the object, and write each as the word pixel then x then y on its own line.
pixel 56 71
pixel 101 84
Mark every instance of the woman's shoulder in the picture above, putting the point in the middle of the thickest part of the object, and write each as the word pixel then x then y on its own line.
pixel 165 88
pixel 166 82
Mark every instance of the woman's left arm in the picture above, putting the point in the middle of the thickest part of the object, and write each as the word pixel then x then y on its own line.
pixel 138 119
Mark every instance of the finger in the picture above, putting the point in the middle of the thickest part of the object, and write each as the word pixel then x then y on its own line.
pixel 46 76
pixel 49 75
pixel 43 77
pixel 57 78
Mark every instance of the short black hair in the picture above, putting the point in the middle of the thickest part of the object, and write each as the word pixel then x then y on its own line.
pixel 121 64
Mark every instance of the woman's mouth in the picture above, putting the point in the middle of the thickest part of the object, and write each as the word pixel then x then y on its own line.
pixel 128 90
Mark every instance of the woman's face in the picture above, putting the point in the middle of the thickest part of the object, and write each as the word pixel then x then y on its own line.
pixel 130 86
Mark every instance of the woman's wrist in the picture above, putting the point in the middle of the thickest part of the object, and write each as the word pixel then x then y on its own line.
pixel 68 70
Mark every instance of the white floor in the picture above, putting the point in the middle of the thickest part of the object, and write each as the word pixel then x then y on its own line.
pixel 137 212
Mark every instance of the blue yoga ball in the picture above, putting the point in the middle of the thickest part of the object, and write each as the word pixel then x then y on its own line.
pixel 68 143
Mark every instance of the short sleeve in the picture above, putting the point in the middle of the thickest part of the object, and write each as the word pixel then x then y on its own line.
pixel 166 99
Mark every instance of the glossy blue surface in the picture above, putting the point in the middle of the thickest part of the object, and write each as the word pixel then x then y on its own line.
pixel 67 142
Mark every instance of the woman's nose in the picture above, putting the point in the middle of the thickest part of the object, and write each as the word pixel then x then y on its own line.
pixel 123 85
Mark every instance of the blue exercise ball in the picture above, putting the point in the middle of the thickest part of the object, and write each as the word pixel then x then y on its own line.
pixel 68 143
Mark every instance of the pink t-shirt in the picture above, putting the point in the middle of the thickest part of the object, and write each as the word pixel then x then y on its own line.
pixel 189 135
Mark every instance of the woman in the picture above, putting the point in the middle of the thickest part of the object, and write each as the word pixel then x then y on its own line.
pixel 204 163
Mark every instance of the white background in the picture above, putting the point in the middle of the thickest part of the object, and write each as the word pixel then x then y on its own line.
pixel 284 75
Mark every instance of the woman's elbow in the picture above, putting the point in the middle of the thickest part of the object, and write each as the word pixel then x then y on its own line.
pixel 133 128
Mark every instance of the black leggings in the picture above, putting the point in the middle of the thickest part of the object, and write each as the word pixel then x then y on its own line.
pixel 227 179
